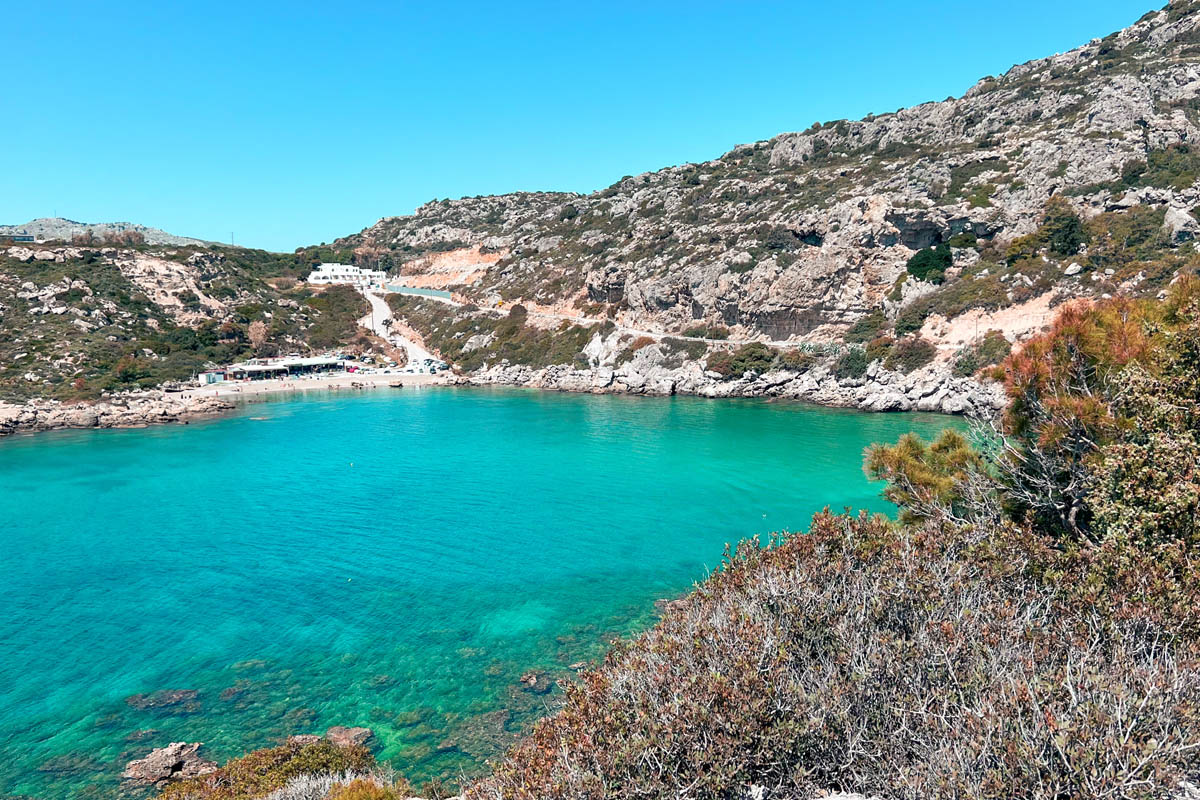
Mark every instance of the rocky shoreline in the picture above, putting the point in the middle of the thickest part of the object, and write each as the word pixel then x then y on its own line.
pixel 929 389
pixel 130 410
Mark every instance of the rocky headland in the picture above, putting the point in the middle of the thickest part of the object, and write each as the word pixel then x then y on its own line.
pixel 129 410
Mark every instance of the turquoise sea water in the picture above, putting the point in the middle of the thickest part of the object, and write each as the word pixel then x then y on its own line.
pixel 395 559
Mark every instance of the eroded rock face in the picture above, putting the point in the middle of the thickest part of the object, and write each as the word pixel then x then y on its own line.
pixel 176 761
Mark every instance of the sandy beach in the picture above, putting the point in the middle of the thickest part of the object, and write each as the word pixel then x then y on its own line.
pixel 337 381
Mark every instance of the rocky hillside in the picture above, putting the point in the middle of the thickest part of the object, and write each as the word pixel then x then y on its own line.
pixel 81 320
pixel 1069 176
pixel 57 228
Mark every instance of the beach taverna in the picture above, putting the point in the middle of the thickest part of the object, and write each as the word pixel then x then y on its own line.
pixel 262 368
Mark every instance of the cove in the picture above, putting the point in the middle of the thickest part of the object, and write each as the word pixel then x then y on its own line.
pixel 395 559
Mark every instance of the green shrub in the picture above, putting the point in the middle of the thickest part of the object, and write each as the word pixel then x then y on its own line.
pixel 685 349
pixel 866 328
pixel 910 353
pixel 987 351
pixel 340 308
pixel 852 364
pixel 931 263
pixel 912 317
pixel 707 332
pixel 879 348
pixel 754 357
pixel 1126 237
pixel 1062 229
pixel 1175 167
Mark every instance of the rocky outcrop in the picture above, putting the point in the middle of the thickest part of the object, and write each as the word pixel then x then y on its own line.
pixel 175 762
pixel 348 737
pixel 122 411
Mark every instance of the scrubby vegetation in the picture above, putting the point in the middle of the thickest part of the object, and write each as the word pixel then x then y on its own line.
pixel 867 328
pixel 79 326
pixel 1029 627
pixel 340 309
pixel 754 357
pixel 339 772
pixel 986 351
pixel 910 353
pixel 851 364
pixel 470 340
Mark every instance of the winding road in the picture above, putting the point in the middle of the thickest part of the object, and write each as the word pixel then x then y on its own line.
pixel 379 322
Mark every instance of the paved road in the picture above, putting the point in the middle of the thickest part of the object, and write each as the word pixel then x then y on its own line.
pixel 378 322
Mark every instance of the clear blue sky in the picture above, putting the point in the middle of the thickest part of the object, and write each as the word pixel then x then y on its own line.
pixel 294 123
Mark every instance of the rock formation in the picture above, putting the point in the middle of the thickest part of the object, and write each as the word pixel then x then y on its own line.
pixel 124 411
pixel 348 737
pixel 176 761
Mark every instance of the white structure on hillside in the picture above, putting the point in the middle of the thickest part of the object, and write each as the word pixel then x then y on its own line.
pixel 347 273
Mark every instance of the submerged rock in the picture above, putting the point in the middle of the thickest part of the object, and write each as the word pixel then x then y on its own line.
pixel 176 761
pixel 71 764
pixel 537 681
pixel 482 736
pixel 182 699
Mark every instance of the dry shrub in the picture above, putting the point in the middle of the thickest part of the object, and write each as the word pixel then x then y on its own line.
pixel 262 771
pixel 363 789
pixel 932 661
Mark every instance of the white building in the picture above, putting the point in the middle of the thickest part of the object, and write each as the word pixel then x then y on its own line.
pixel 347 273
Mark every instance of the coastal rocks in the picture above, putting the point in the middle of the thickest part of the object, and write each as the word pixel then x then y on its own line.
pixel 930 389
pixel 349 737
pixel 122 411
pixel 304 738
pixel 176 761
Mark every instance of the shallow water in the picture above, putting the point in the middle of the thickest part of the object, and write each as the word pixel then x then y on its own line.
pixel 391 559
